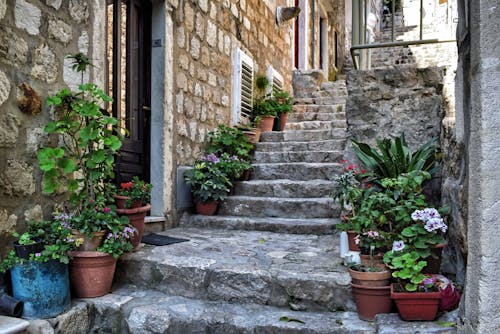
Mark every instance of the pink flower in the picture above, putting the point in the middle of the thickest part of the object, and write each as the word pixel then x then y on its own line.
pixel 106 210
pixel 357 239
pixel 450 297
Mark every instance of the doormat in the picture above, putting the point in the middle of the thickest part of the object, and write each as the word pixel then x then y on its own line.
pixel 160 240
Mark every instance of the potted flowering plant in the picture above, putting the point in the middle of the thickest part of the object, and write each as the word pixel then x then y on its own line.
pixel 40 277
pixel 209 184
pixel 408 258
pixel 133 194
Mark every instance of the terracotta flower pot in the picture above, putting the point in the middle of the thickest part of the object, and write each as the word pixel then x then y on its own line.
pixel 91 273
pixel 266 123
pixel 89 243
pixel 136 217
pixel 121 202
pixel 371 300
pixel 284 118
pixel 378 260
pixel 416 305
pixel 350 239
pixel 207 209
pixel 376 278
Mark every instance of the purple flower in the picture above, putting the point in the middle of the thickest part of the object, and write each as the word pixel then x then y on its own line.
pixel 211 157
pixel 431 213
pixel 38 254
pixel 109 236
pixel 433 224
pixel 429 280
pixel 398 246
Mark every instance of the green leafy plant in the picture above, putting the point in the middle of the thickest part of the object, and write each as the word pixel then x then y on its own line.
pixel 207 181
pixel 231 141
pixel 233 166
pixel 390 158
pixel 284 101
pixel 137 190
pixel 89 139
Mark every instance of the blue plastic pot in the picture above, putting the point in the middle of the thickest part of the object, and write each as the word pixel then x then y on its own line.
pixel 43 287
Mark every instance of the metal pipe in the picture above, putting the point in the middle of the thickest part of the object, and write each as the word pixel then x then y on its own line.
pixel 313 33
pixel 355 23
pixel 393 10
pixel 391 44
pixel 421 18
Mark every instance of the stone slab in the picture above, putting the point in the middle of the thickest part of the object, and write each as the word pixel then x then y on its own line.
pixel 292 146
pixel 303 135
pixel 284 188
pixel 296 171
pixel 315 116
pixel 298 156
pixel 278 225
pixel 315 125
pixel 392 324
pixel 12 325
pixel 303 271
pixel 248 206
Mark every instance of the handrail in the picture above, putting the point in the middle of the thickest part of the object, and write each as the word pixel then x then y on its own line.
pixel 392 44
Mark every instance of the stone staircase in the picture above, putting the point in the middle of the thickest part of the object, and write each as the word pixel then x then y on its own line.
pixel 268 262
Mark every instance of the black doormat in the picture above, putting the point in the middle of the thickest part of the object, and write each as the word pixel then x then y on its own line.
pixel 160 240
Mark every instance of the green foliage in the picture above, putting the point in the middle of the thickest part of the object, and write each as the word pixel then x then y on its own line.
pixel 137 190
pixel 89 139
pixel 208 182
pixel 391 158
pixel 407 267
pixel 231 141
pixel 119 237
pixel 233 166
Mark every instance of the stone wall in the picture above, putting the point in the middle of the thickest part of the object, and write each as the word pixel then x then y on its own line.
pixel 35 36
pixel 438 23
pixel 206 34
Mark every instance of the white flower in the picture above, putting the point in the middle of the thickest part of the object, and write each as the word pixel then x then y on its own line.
pixel 398 246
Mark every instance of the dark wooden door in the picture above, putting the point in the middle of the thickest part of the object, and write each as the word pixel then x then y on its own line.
pixel 129 56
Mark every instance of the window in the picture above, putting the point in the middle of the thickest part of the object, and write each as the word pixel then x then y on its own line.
pixel 275 79
pixel 242 86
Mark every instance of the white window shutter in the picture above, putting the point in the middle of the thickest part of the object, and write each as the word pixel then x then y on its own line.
pixel 242 86
pixel 275 79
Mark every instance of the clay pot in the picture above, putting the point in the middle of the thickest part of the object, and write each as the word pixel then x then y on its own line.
pixel 416 305
pixel 434 261
pixel 89 243
pixel 350 239
pixel 121 202
pixel 375 278
pixel 266 123
pixel 378 261
pixel 371 300
pixel 207 209
pixel 136 217
pixel 91 273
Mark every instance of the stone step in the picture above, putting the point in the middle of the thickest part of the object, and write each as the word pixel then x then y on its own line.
pixel 317 226
pixel 128 311
pixel 298 146
pixel 304 156
pixel 339 85
pixel 315 116
pixel 331 93
pixel 249 206
pixel 300 171
pixel 303 135
pixel 284 188
pixel 300 271
pixel 307 108
pixel 327 100
pixel 316 125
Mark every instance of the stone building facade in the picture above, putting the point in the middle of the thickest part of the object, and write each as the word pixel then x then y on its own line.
pixel 35 36
pixel 192 59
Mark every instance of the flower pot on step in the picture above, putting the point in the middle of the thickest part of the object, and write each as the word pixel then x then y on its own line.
pixel 266 123
pixel 371 300
pixel 421 306
pixel 370 278
pixel 207 209
pixel 136 217
pixel 91 273
pixel 24 251
pixel 378 260
pixel 43 287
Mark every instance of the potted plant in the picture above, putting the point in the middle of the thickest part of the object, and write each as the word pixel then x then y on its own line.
pixel 231 141
pixel 284 103
pixel 85 139
pixel 133 203
pixel 264 108
pixel 40 280
pixel 415 299
pixel 91 272
pixel 209 184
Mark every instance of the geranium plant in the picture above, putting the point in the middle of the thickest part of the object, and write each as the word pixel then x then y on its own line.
pixel 137 190
pixel 207 181
pixel 408 254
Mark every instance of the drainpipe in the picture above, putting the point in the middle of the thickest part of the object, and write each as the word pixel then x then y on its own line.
pixel 313 33
pixel 355 26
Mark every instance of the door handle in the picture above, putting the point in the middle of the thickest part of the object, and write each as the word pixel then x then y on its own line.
pixel 146 108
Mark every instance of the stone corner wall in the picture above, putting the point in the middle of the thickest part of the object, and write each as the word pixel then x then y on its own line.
pixel 35 37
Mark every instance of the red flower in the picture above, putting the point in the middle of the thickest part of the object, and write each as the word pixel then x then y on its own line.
pixel 351 167
pixel 126 185
pixel 106 210
pixel 343 161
